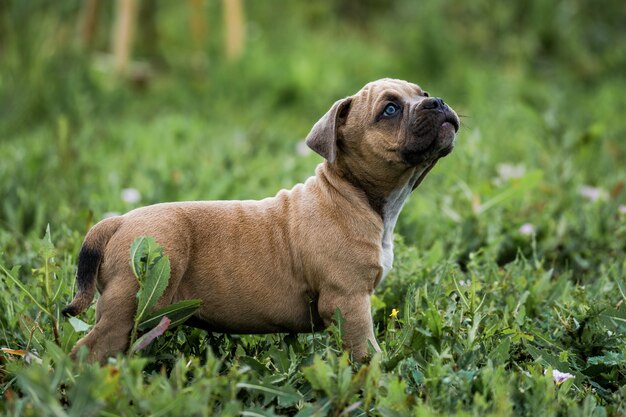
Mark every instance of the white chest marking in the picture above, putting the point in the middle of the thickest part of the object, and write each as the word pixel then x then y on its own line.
pixel 391 211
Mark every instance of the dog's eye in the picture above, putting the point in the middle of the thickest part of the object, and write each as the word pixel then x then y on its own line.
pixel 391 110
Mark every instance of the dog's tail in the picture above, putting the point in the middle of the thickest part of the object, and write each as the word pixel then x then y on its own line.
pixel 89 260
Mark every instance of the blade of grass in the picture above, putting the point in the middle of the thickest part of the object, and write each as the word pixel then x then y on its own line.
pixel 23 288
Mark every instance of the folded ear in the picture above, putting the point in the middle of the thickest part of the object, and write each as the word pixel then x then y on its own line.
pixel 323 136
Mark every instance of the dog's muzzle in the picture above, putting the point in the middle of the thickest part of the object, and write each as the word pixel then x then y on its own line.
pixel 437 105
pixel 431 131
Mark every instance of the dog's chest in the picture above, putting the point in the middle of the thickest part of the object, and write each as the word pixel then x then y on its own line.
pixel 386 259
pixel 391 211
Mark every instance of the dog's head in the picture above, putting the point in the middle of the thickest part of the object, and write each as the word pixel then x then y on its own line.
pixel 389 126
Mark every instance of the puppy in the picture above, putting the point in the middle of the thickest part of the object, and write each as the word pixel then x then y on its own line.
pixel 286 263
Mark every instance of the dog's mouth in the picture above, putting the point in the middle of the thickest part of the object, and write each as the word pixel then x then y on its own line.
pixel 442 131
pixel 448 129
pixel 432 137
pixel 451 120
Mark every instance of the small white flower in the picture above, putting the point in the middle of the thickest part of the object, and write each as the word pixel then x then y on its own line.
pixel 622 208
pixel 508 172
pixel 302 148
pixel 592 193
pixel 527 229
pixel 560 377
pixel 130 195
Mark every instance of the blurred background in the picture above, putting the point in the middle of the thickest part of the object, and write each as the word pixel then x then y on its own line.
pixel 110 105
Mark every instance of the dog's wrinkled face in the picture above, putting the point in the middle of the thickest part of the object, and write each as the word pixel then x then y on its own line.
pixel 400 122
pixel 389 126
pixel 381 135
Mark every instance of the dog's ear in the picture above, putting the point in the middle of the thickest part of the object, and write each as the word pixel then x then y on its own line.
pixel 323 136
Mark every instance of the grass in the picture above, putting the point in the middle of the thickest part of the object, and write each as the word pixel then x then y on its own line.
pixel 509 257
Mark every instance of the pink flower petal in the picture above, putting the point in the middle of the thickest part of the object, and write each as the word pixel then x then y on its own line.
pixel 157 331
pixel 130 195
pixel 302 148
pixel 527 229
pixel 560 377
pixel 592 193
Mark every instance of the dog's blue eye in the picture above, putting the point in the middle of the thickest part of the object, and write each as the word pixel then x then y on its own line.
pixel 391 110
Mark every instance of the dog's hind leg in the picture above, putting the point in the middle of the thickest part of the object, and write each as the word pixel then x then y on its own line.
pixel 115 312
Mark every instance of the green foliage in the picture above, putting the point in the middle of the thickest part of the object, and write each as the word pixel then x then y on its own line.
pixel 152 270
pixel 509 257
pixel 178 313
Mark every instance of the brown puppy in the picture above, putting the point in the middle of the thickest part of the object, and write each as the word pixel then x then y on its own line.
pixel 286 263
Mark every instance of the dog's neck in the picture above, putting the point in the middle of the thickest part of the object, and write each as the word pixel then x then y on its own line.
pixel 385 201
pixel 395 201
pixel 375 197
pixel 386 204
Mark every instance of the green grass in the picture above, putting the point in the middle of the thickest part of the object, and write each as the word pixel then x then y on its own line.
pixel 486 311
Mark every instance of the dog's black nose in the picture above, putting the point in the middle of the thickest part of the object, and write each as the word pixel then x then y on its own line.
pixel 433 103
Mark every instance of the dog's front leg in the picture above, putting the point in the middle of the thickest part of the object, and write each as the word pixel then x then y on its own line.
pixel 358 327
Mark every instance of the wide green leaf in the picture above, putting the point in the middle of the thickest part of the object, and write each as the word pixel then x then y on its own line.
pixel 144 253
pixel 178 313
pixel 153 287
pixel 270 391
pixel 501 353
